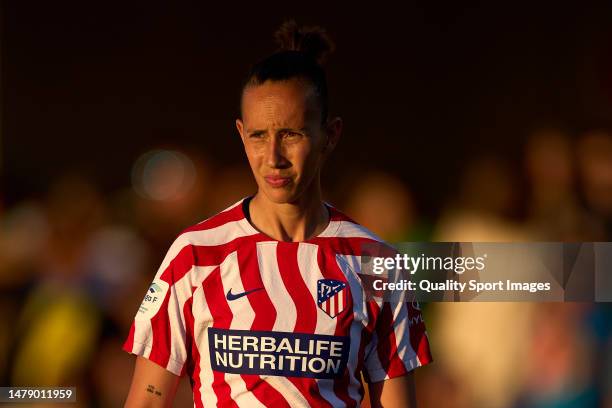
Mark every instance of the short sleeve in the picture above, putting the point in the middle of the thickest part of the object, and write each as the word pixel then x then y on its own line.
pixel 399 342
pixel 159 330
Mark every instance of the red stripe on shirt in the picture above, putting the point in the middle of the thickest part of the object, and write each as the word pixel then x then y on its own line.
pixel 265 316
pixel 207 255
pixel 162 332
pixel 358 246
pixel 336 215
pixel 330 270
pixel 194 361
pixel 129 342
pixel 203 255
pixel 287 258
pixel 418 336
pixel 365 339
pixel 179 266
pixel 387 345
pixel 215 299
pixel 366 335
pixel 233 214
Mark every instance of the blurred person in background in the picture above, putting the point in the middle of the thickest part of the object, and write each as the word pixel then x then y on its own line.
pixel 24 233
pixel 59 323
pixel 560 364
pixel 554 212
pixel 594 157
pixel 564 338
pixel 73 271
pixel 484 206
pixel 117 256
pixel 482 344
pixel 382 203
pixel 527 354
pixel 595 171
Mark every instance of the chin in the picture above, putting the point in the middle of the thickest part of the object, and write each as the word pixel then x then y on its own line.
pixel 279 195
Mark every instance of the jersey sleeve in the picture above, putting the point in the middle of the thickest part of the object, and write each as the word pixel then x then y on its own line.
pixel 399 342
pixel 159 329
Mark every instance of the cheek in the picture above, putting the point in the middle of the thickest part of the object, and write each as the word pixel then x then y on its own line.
pixel 253 155
pixel 307 158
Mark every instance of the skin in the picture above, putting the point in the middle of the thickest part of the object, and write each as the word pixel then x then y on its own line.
pixel 286 144
pixel 396 392
pixel 283 136
pixel 148 376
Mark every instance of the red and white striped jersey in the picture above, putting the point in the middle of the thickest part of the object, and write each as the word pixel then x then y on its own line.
pixel 256 322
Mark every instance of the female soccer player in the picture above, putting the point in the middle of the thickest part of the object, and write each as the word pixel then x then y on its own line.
pixel 262 304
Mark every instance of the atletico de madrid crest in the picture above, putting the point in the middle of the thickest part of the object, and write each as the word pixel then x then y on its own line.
pixel 331 296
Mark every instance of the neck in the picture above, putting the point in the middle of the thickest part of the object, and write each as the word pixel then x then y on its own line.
pixel 290 222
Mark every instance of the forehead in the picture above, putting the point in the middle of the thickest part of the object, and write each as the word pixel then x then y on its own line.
pixel 281 103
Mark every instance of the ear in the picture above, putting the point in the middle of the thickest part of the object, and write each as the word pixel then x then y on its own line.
pixel 333 129
pixel 240 127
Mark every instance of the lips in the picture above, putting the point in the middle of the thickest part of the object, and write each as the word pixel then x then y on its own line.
pixel 277 181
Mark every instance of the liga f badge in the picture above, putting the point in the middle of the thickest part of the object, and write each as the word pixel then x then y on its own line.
pixel 331 296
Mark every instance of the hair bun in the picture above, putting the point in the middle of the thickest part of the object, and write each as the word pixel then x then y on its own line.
pixel 312 41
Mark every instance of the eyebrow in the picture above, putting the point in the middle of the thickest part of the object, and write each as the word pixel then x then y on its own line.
pixel 251 131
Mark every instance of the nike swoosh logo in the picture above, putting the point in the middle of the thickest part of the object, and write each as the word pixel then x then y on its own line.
pixel 233 296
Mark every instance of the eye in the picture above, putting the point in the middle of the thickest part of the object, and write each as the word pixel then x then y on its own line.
pixel 257 135
pixel 292 135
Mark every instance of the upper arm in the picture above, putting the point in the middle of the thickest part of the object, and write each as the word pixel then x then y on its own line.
pixel 395 392
pixel 159 335
pixel 152 386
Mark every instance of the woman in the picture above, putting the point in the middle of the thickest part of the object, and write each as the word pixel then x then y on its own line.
pixel 261 305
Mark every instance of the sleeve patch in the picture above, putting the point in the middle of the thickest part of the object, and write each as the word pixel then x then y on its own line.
pixel 153 300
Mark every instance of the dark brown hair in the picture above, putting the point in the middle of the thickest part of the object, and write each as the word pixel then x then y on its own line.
pixel 301 54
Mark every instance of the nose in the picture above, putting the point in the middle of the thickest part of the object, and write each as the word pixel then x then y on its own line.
pixel 275 157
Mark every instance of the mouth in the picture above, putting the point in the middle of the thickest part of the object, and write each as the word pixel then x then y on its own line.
pixel 277 181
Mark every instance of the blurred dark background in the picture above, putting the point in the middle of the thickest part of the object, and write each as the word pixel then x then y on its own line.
pixel 463 122
pixel 423 88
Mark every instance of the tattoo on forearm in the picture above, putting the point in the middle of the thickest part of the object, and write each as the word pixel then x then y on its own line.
pixel 152 390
